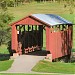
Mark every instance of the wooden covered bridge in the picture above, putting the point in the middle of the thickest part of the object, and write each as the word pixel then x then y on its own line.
pixel 27 35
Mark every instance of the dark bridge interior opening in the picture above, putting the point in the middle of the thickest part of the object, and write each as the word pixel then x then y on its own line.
pixel 30 38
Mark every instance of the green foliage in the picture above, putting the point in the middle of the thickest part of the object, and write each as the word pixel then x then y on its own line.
pixel 10 3
pixel 5 65
pixel 5 19
pixel 55 67
pixel 14 3
pixel 3 49
pixel 4 58
pixel 71 5
pixel 3 5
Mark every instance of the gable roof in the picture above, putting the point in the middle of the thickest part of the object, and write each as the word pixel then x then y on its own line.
pixel 49 19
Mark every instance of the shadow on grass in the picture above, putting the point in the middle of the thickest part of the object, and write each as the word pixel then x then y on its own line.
pixel 4 57
pixel 73 50
pixel 72 61
pixel 73 56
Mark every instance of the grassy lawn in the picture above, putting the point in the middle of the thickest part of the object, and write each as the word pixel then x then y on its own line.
pixel 56 67
pixel 31 8
pixel 40 8
pixel 5 65
pixel 27 74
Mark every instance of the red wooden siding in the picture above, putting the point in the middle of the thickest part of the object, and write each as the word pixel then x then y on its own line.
pixel 59 43
pixel 28 21
pixel 14 38
pixel 47 37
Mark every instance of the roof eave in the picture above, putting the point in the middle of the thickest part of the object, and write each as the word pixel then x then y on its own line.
pixel 18 21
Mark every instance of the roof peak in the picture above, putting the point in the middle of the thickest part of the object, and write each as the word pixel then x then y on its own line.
pixel 47 19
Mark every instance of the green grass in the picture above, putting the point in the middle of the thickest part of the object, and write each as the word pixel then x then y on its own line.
pixel 5 65
pixel 56 67
pixel 27 74
pixel 31 8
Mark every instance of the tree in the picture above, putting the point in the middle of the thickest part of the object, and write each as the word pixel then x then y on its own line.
pixel 3 5
pixel 5 19
pixel 68 4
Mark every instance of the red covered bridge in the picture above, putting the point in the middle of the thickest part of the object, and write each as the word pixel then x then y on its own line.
pixel 27 34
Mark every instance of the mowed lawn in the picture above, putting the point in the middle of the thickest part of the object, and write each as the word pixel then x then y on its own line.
pixel 26 74
pixel 55 67
pixel 33 8
pixel 5 65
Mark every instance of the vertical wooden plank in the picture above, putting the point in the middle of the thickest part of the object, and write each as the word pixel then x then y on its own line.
pixel 59 44
pixel 32 27
pixel 70 37
pixel 40 37
pixel 53 44
pixel 28 35
pixel 19 33
pixel 33 35
pixel 14 40
pixel 24 37
pixel 47 37
pixel 28 27
pixel 36 33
